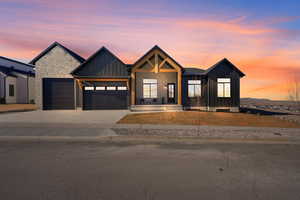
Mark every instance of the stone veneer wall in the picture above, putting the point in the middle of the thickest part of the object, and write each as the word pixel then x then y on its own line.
pixel 57 63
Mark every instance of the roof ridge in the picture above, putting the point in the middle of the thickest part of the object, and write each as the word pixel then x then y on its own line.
pixel 50 47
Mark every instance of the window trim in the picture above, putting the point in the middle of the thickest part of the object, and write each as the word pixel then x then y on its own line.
pixel 100 88
pixel 194 83
pixel 150 84
pixel 223 82
pixel 111 88
pixel 122 88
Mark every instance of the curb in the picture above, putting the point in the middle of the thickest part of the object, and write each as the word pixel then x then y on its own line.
pixel 136 140
pixel 14 111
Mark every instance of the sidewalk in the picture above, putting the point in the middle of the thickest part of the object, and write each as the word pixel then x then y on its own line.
pixel 146 133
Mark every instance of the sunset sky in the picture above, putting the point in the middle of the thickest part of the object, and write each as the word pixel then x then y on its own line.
pixel 261 37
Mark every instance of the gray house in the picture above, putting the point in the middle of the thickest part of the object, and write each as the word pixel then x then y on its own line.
pixel 16 81
pixel 64 80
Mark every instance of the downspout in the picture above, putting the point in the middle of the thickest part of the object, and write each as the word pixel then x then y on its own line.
pixel 207 94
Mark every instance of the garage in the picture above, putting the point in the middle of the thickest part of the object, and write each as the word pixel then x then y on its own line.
pixel 105 97
pixel 58 94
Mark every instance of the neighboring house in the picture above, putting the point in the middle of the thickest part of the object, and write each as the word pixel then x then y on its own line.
pixel 64 80
pixel 16 81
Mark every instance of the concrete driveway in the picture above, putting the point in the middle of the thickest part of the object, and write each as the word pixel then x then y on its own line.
pixel 65 117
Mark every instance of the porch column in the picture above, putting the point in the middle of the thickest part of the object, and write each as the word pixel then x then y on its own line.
pixel 133 88
pixel 179 80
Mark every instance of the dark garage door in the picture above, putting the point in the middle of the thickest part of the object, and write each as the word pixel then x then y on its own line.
pixel 58 93
pixel 101 100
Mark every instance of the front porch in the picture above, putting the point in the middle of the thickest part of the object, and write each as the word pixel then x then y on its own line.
pixel 156 83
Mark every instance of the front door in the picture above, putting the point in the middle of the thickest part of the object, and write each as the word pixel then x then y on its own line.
pixel 171 92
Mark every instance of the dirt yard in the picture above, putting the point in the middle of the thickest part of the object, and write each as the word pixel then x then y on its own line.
pixel 16 107
pixel 207 118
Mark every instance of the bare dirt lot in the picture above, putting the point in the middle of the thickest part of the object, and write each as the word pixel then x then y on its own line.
pixel 207 118
pixel 93 171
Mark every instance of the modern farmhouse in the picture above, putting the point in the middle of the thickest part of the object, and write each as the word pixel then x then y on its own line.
pixel 65 80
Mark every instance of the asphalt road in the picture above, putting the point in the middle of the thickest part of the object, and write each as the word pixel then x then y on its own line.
pixel 95 171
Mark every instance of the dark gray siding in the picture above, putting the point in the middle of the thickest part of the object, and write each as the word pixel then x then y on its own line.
pixel 196 102
pixel 163 79
pixel 224 71
pixel 2 85
pixel 22 89
pixel 102 64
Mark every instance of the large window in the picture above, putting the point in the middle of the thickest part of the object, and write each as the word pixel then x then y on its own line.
pixel 11 90
pixel 150 88
pixel 194 88
pixel 224 87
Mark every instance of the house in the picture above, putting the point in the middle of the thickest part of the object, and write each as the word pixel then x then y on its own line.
pixel 64 80
pixel 16 81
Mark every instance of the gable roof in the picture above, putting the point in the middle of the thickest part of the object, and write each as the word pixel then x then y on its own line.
pixel 15 61
pixel 225 61
pixel 156 47
pixel 103 63
pixel 9 71
pixel 72 53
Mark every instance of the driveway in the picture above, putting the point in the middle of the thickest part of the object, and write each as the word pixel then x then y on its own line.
pixel 65 117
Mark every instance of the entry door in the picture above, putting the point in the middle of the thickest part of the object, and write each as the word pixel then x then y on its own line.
pixel 171 92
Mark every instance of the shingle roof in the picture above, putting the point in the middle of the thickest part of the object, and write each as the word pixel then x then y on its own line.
pixel 225 61
pixel 9 59
pixel 193 71
pixel 72 53
pixel 198 71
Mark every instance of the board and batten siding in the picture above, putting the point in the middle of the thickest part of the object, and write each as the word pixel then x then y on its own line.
pixel 197 101
pixel 2 85
pixel 57 63
pixel 224 72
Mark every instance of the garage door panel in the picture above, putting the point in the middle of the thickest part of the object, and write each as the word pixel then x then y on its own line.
pixel 58 93
pixel 100 100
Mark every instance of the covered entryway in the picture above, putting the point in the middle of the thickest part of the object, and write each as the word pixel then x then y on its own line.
pixel 58 93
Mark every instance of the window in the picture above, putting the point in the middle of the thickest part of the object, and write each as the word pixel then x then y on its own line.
pixel 224 87
pixel 100 88
pixel 88 88
pixel 122 88
pixel 150 88
pixel 194 88
pixel 111 88
pixel 11 90
pixel 171 90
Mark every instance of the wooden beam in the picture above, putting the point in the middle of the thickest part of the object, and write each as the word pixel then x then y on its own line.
pixel 149 62
pixel 102 79
pixel 156 63
pixel 132 88
pixel 162 63
pixel 179 80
